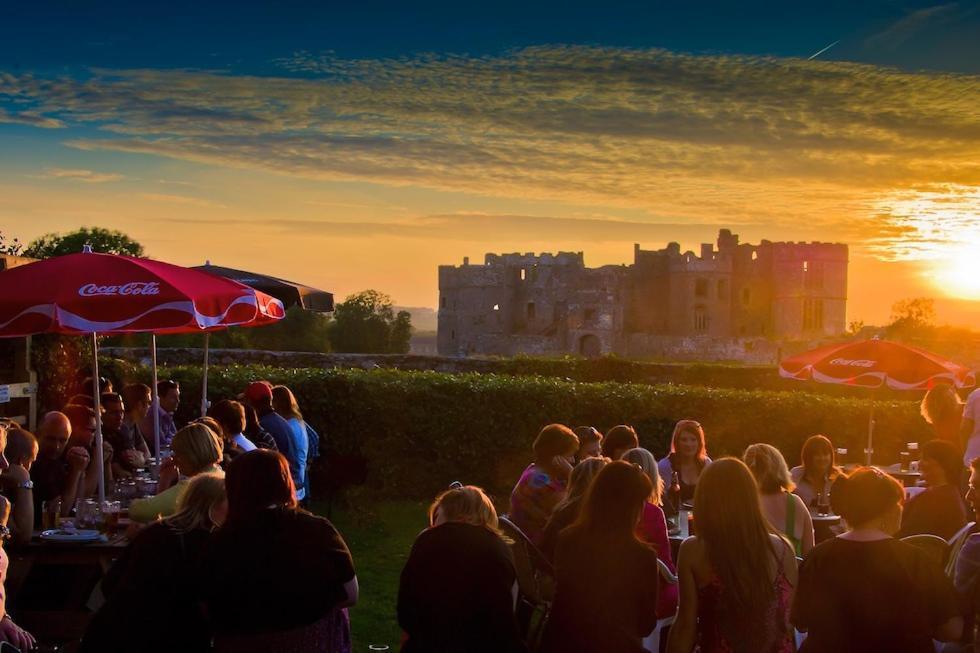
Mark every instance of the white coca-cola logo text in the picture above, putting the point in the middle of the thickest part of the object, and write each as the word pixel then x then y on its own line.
pixel 131 288
pixel 853 363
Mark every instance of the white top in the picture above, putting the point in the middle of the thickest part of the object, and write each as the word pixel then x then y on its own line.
pixel 243 443
pixel 972 411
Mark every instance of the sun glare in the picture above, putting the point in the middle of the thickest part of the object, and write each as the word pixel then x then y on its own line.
pixel 940 227
pixel 960 275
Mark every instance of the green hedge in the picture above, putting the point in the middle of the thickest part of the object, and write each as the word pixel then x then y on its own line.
pixel 418 431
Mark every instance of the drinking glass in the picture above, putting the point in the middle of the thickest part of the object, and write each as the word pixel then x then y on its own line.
pixel 913 449
pixel 823 503
pixel 905 458
pixel 110 516
pixel 50 511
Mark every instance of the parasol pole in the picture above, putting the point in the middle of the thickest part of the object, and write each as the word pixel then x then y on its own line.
pixel 97 398
pixel 156 401
pixel 204 384
pixel 871 430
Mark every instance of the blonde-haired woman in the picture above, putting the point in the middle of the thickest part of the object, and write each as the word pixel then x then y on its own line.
pixel 942 408
pixel 197 450
pixel 737 575
pixel 653 525
pixel 785 511
pixel 567 510
pixel 155 580
pixel 456 588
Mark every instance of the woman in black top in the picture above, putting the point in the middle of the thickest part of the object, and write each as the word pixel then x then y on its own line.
pixel 607 579
pixel 151 591
pixel 866 591
pixel 275 578
pixel 456 588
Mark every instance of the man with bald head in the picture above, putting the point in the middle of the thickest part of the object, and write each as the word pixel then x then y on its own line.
pixel 58 468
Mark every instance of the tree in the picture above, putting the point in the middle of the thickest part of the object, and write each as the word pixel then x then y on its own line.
pixel 366 323
pixel 913 313
pixel 300 330
pixel 105 241
pixel 12 248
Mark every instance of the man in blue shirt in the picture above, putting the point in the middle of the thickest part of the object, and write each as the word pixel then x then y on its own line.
pixel 259 396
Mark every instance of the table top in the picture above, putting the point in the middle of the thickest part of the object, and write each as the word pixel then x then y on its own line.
pixel 114 542
pixel 825 518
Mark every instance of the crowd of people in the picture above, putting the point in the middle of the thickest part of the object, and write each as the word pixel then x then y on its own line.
pixel 751 577
pixel 226 496
pixel 224 556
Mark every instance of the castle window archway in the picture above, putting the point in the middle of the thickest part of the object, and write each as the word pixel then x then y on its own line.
pixel 589 346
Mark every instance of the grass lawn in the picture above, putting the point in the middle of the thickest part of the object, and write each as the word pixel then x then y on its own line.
pixel 380 535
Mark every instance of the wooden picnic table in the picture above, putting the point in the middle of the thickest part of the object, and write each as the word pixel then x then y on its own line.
pixel 60 613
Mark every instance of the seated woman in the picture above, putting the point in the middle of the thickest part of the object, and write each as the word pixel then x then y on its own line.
pixel 942 409
pixel 542 485
pixel 939 509
pixel 782 508
pixel 619 440
pixel 737 575
pixel 155 581
pixel 568 510
pixel 197 450
pixel 607 579
pixel 818 473
pixel 441 609
pixel 274 577
pixel 688 456
pixel 653 525
pixel 589 443
pixel 867 591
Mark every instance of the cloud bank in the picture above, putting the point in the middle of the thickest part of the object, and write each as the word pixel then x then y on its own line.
pixel 685 137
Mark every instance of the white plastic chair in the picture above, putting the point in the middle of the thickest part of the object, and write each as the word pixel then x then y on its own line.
pixel 652 641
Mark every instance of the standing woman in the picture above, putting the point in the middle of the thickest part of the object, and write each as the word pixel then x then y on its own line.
pixel 285 404
pixel 607 578
pixel 441 609
pixel 784 510
pixel 818 473
pixel 275 577
pixel 864 590
pixel 543 483
pixel 653 525
pixel 688 457
pixel 736 576
pixel 942 408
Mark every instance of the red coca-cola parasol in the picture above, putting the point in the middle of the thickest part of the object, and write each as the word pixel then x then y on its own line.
pixel 108 294
pixel 875 363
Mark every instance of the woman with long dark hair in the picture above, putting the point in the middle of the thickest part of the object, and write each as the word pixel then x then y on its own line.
pixel 688 457
pixel 276 577
pixel 607 578
pixel 939 509
pixel 818 471
pixel 736 575
pixel 867 591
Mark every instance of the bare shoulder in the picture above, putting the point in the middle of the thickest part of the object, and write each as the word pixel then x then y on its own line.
pixel 691 549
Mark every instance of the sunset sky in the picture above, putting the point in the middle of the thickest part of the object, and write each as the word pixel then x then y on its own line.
pixel 360 145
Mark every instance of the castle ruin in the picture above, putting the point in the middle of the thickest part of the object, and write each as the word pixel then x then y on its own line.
pixel 553 304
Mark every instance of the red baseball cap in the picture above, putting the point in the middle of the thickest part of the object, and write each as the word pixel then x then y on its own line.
pixel 258 391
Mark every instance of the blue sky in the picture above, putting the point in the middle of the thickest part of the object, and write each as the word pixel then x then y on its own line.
pixel 401 136
pixel 249 35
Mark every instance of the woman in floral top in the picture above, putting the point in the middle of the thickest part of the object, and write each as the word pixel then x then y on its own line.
pixel 543 483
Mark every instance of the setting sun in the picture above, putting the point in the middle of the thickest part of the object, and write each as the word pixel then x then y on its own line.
pixel 960 276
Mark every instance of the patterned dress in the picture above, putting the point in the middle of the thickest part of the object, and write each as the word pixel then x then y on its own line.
pixel 533 500
pixel 776 628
